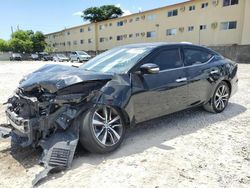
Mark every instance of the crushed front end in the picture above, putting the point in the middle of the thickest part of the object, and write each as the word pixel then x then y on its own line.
pixel 36 115
pixel 38 118
pixel 48 107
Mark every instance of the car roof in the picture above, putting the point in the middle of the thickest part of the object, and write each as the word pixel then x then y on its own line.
pixel 166 44
pixel 159 44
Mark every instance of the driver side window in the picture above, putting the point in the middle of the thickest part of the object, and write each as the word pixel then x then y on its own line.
pixel 168 59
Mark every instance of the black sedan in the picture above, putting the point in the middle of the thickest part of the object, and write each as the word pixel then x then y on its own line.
pixel 45 56
pixel 57 105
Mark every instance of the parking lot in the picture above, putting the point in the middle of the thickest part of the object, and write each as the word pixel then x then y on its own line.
pixel 192 148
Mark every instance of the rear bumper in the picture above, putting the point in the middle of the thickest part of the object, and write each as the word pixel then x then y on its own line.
pixel 84 58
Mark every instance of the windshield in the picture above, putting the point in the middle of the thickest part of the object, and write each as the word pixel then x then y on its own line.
pixel 82 53
pixel 61 55
pixel 118 60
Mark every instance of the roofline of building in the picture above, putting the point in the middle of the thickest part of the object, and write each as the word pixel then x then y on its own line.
pixel 122 17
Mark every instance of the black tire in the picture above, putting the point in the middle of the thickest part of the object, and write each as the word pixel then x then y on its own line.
pixel 212 105
pixel 88 138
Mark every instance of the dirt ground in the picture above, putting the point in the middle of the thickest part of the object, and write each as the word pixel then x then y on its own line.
pixel 192 148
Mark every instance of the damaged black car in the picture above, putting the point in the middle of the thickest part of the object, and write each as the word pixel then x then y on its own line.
pixel 57 106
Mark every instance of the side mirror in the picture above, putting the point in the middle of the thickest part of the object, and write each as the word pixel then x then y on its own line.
pixel 149 68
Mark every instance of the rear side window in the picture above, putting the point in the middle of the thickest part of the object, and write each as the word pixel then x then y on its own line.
pixel 168 59
pixel 196 56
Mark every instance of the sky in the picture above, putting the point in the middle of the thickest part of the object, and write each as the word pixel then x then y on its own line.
pixel 54 15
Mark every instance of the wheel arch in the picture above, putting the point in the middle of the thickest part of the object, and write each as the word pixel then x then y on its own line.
pixel 229 85
pixel 125 116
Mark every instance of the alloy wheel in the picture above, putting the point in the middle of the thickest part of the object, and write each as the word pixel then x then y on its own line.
pixel 221 97
pixel 107 125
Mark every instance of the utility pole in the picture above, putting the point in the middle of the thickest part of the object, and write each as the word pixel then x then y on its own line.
pixel 11 28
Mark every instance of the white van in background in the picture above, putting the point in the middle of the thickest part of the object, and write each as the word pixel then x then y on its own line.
pixel 79 56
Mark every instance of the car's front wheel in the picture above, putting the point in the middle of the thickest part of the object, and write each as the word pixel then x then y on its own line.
pixel 219 101
pixel 102 129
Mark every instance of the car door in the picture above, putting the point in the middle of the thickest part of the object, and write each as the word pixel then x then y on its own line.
pixel 73 56
pixel 199 66
pixel 155 95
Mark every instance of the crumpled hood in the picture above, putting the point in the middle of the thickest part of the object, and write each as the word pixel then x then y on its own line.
pixel 56 77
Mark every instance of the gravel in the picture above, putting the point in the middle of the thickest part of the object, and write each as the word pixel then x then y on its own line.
pixel 192 148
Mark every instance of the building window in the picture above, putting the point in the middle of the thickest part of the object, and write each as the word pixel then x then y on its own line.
pixel 75 42
pixel 81 41
pixel 130 20
pixel 110 38
pixel 81 30
pixel 137 34
pixel 228 25
pixel 119 37
pixel 190 28
pixel 130 35
pixel 137 19
pixel 192 8
pixel 68 33
pixel 89 29
pixel 204 5
pixel 110 24
pixel 203 27
pixel 151 17
pixel 171 32
pixel 102 39
pixel 230 2
pixel 90 41
pixel 120 23
pixel 101 27
pixel 151 34
pixel 69 43
pixel 173 13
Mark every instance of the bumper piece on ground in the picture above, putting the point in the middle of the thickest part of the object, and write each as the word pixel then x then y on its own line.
pixel 58 152
pixel 4 131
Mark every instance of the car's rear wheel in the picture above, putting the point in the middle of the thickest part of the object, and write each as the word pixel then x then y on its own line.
pixel 219 101
pixel 102 129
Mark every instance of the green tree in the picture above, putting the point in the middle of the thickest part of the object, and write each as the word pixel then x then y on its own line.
pixel 4 46
pixel 49 49
pixel 20 41
pixel 97 14
pixel 27 41
pixel 38 40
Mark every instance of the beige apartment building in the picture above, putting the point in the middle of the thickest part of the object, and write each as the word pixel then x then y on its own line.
pixel 204 22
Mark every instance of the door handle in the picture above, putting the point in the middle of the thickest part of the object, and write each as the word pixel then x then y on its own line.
pixel 214 72
pixel 181 80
